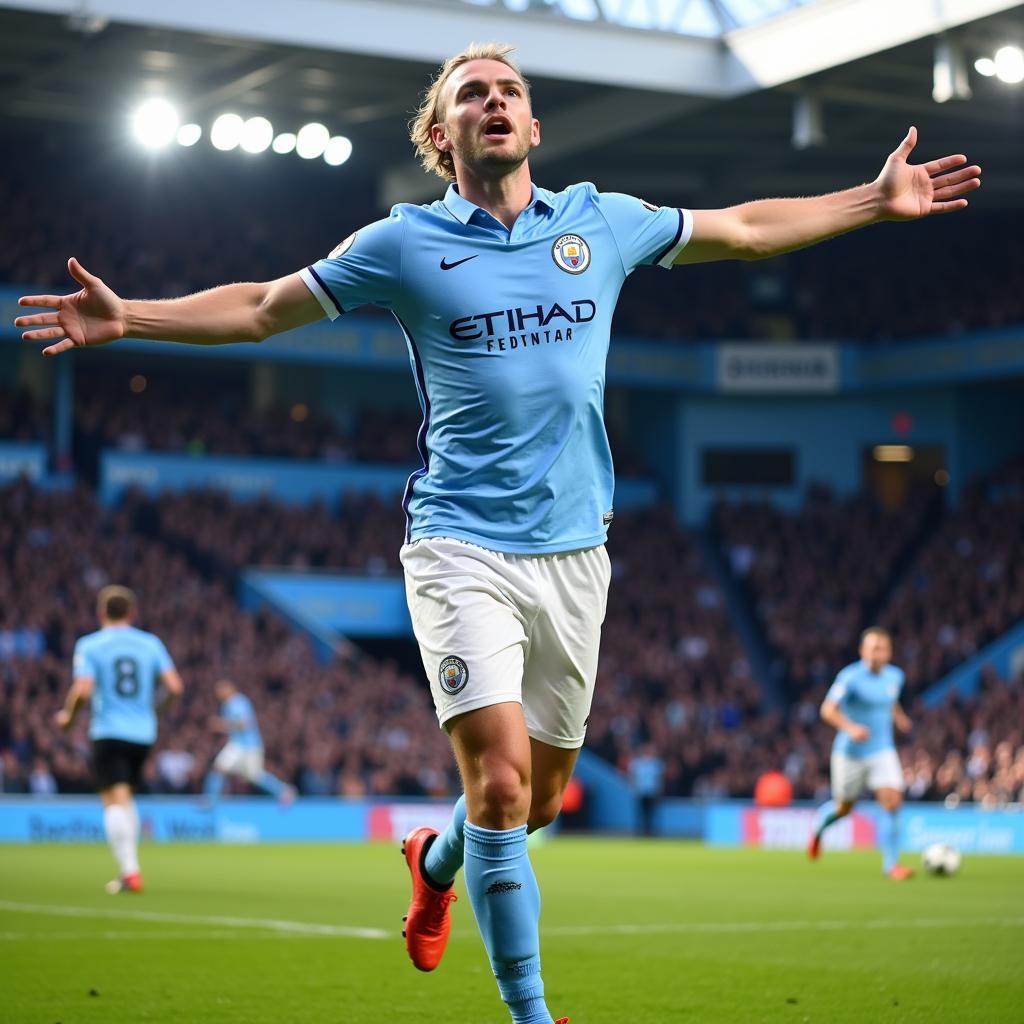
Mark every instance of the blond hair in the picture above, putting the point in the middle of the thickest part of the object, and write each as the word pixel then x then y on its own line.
pixel 432 111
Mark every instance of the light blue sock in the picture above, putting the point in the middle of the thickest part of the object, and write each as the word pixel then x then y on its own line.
pixel 213 786
pixel 444 858
pixel 889 839
pixel 825 816
pixel 506 901
pixel 271 784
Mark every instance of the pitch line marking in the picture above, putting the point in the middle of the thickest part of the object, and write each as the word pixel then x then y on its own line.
pixel 733 927
pixel 311 929
pixel 262 924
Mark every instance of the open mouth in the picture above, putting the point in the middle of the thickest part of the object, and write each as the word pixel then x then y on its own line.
pixel 497 129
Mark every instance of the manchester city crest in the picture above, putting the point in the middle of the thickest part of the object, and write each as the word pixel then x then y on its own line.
pixel 571 253
pixel 453 675
pixel 343 247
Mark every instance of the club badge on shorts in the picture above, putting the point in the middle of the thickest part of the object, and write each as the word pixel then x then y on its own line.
pixel 571 254
pixel 453 675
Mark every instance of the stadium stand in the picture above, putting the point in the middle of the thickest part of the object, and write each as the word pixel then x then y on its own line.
pixel 814 575
pixel 170 237
pixel 325 728
pixel 965 587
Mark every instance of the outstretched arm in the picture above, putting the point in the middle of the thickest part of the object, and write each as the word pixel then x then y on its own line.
pixel 96 315
pixel 770 227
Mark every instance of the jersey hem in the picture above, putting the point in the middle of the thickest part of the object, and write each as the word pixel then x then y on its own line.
pixel 490 544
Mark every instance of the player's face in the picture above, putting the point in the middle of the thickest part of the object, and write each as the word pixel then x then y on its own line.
pixel 876 650
pixel 489 126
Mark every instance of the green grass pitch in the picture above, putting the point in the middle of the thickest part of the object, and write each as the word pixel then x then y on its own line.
pixel 649 932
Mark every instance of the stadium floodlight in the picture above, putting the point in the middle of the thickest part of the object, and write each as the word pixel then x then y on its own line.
pixel 985 66
pixel 226 132
pixel 312 141
pixel 284 143
pixel 257 134
pixel 189 134
pixel 1009 64
pixel 338 150
pixel 155 123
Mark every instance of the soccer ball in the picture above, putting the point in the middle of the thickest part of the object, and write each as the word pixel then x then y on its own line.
pixel 941 859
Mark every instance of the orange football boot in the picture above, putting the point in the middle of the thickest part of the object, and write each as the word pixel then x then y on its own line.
pixel 429 921
pixel 900 872
pixel 814 846
pixel 127 883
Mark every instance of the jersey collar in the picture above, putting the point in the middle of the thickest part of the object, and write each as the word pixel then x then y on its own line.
pixel 462 209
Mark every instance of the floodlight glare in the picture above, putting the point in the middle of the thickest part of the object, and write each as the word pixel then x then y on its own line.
pixel 284 143
pixel 1009 62
pixel 312 141
pixel 257 134
pixel 226 132
pixel 338 150
pixel 189 134
pixel 985 66
pixel 155 123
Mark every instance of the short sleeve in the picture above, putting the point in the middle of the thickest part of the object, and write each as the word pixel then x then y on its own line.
pixel 362 270
pixel 82 666
pixel 839 689
pixel 646 235
pixel 163 657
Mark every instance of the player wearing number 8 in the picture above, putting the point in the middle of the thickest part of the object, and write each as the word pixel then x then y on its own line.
pixel 118 668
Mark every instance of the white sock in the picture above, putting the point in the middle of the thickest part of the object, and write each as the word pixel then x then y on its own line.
pixel 122 834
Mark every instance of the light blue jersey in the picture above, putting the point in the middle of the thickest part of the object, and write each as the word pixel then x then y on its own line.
pixel 125 664
pixel 238 710
pixel 867 698
pixel 508 335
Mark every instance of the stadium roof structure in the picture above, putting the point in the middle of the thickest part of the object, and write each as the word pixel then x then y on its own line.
pixel 649 106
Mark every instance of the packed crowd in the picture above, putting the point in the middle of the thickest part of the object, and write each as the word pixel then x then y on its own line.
pixel 814 576
pixel 324 728
pixel 161 412
pixel 674 682
pixel 966 585
pixel 178 233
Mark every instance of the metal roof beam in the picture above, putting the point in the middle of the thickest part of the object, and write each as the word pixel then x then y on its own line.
pixel 829 33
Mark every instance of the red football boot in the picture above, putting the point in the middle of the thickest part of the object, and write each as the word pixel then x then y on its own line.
pixel 429 921
pixel 814 846
pixel 127 883
pixel 900 872
pixel 562 1020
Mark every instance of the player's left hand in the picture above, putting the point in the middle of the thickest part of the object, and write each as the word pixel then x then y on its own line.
pixel 63 719
pixel 909 191
pixel 904 725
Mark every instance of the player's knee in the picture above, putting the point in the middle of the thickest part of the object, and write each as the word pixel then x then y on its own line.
pixel 502 797
pixel 544 812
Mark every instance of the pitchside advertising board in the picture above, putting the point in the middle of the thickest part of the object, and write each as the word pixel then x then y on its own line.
pixel 236 820
pixel 789 828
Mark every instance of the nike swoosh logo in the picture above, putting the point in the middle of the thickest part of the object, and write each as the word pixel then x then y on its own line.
pixel 445 265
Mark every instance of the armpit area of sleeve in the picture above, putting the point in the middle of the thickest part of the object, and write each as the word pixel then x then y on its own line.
pixel 315 283
pixel 679 243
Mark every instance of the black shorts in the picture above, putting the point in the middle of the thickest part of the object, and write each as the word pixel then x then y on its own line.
pixel 115 761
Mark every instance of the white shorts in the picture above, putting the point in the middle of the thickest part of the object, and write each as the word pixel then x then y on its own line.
pixel 852 775
pixel 496 627
pixel 246 762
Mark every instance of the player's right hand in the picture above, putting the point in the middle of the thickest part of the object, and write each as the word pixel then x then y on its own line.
pixel 63 719
pixel 859 733
pixel 92 316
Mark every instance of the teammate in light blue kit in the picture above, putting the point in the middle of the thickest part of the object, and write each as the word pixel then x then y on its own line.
pixel 863 704
pixel 505 292
pixel 242 755
pixel 119 668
